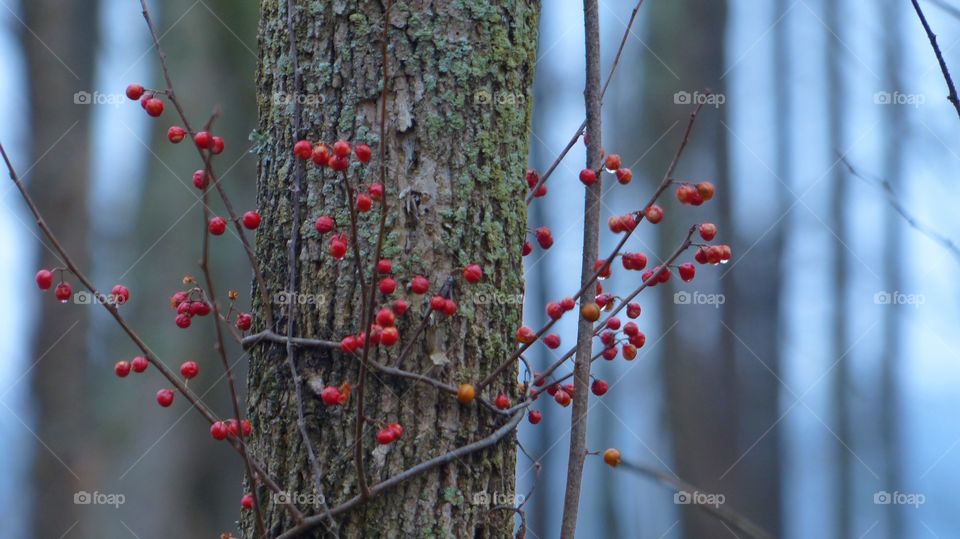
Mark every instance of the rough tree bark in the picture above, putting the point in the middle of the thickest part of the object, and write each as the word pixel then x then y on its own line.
pixel 458 117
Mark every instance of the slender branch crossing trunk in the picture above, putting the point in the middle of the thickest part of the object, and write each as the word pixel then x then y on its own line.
pixel 458 118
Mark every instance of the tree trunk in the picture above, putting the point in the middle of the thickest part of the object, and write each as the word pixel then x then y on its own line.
pixel 456 160
pixel 60 56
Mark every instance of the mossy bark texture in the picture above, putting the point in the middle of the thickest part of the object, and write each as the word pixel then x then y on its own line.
pixel 458 119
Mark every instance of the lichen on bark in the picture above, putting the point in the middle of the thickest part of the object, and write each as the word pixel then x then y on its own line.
pixel 459 106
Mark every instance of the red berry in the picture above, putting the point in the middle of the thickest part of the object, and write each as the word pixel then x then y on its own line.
pixel 364 153
pixel 684 192
pixel 610 353
pixel 189 369
pixel 708 231
pixel 624 175
pixel 588 176
pixel 217 225
pixel 706 190
pixel 449 307
pixel 376 191
pixel 386 318
pixel 473 273
pixel 218 430
pixel 341 148
pixel 526 335
pixel 251 220
pixel 612 163
pixel 389 336
pixel 339 163
pixel 121 369
pixel 562 398
pixel 246 427
pixel 364 203
pixel 397 429
pixel 176 134
pixel 244 321
pixel 634 261
pixel 183 321
pixel 386 436
pixel 321 155
pixel 552 341
pixel 388 286
pixel 154 107
pixel 554 311
pixel 599 387
pixel 199 308
pixel 349 344
pixel 420 285
pixel 502 402
pixel 63 292
pixel 630 329
pixel 216 145
pixel 134 91
pixel 687 272
pixel 633 310
pixel 629 352
pixel 330 396
pixel 385 267
pixel 535 417
pixel 527 248
pixel 324 224
pixel 568 304
pixel 120 294
pixel 437 303
pixel 654 214
pixel 303 149
pixel 544 237
pixel 202 140
pixel 165 397
pixel 338 246
pixel 400 307
pixel 247 501
pixel 200 179
pixel 44 279
pixel 139 364
pixel 613 323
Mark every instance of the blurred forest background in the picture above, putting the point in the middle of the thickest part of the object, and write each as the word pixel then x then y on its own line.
pixel 802 398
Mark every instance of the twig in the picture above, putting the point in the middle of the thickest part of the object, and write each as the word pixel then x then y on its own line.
pixel 137 341
pixel 576 136
pixel 292 251
pixel 952 96
pixel 371 293
pixel 459 453
pixel 591 246
pixel 664 183
pixel 895 203
pixel 719 511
